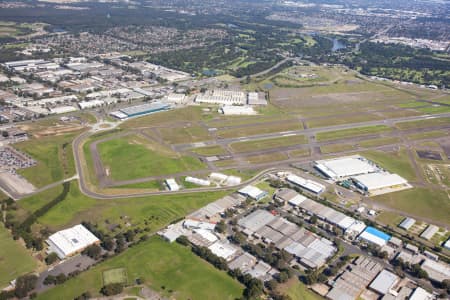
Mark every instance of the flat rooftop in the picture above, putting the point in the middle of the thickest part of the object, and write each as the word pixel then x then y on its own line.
pixel 347 166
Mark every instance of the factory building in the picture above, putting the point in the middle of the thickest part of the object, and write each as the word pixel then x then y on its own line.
pixel 71 241
pixel 344 167
pixel 374 236
pixel 437 271
pixel 384 282
pixel 379 181
pixel 306 184
pixel 225 250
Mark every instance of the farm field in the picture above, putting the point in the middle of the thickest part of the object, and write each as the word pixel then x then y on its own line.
pixel 134 157
pixel 265 144
pixel 44 150
pixel 360 131
pixel 158 264
pixel 15 260
pixel 422 202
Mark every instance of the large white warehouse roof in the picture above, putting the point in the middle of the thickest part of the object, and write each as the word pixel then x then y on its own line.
pixel 70 241
pixel 376 181
pixel 342 167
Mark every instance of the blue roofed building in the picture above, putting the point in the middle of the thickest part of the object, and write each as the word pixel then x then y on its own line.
pixel 374 236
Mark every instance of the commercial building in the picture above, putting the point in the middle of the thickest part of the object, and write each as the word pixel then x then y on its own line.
pixel 344 167
pixel 231 110
pixel 176 98
pixel 172 185
pixel 420 294
pixel 254 98
pixel 90 104
pixel 378 181
pixel 252 192
pixel 197 181
pixel 289 196
pixel 374 236
pixel 196 224
pixel 407 223
pixel 428 233
pixel 384 282
pixel 244 262
pixel 447 244
pixel 224 179
pixel 71 241
pixel 223 249
pixel 215 209
pixel 222 97
pixel 144 109
pixel 436 271
pixel 350 284
pixel 306 184
pixel 255 221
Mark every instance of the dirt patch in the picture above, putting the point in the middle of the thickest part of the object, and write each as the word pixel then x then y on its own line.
pixel 432 155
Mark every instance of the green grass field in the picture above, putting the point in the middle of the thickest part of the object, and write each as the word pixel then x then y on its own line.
pixel 170 269
pixel 132 157
pixel 423 123
pixel 15 260
pixel 395 162
pixel 156 211
pixel 259 129
pixel 379 142
pixel 427 135
pixel 427 203
pixel 347 133
pixel 117 275
pixel 184 134
pixel 54 156
pixel 336 148
pixel 298 291
pixel 209 151
pixel 268 143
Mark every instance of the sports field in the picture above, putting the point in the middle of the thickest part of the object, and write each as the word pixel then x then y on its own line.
pixel 170 269
pixel 134 157
pixel 15 260
pixel 117 275
pixel 346 133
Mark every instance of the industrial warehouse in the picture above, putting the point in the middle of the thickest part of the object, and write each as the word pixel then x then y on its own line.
pixel 361 174
pixel 139 110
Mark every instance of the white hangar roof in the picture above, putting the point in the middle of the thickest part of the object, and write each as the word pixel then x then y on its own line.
pixel 69 241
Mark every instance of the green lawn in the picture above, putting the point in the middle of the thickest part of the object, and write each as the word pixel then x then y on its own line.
pixel 379 142
pixel 336 148
pixel 117 275
pixel 427 203
pixel 15 260
pixel 395 162
pixel 54 156
pixel 133 157
pixel 170 269
pixel 268 143
pixel 298 291
pixel 346 133
pixel 427 135
pixel 184 134
pixel 153 185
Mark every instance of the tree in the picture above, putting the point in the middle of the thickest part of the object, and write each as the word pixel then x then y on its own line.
pixel 108 244
pixel 51 258
pixel 313 220
pixel 283 277
pixel 183 240
pixel 112 289
pixel 221 227
pixel 93 251
pixel 272 284
pixel 25 284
